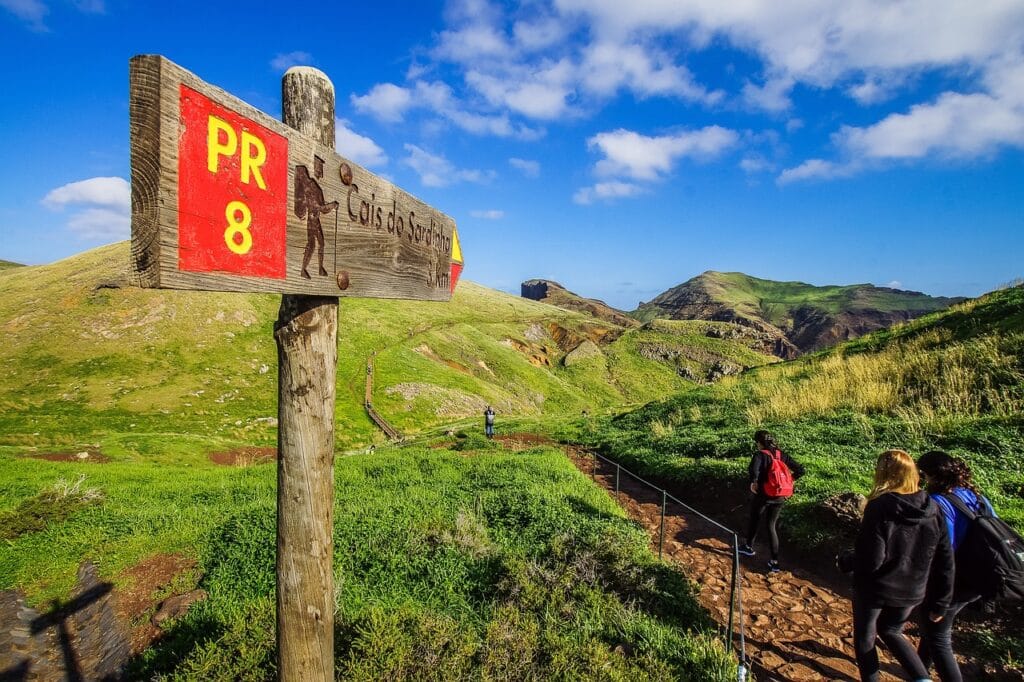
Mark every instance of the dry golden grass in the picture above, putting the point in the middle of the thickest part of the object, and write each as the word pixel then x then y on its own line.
pixel 924 378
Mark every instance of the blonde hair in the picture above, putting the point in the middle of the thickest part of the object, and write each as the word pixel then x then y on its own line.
pixel 895 472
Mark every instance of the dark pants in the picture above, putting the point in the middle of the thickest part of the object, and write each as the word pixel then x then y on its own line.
pixel 937 642
pixel 764 506
pixel 885 623
pixel 489 430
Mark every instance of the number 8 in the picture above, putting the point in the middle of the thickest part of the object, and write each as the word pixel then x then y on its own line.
pixel 236 227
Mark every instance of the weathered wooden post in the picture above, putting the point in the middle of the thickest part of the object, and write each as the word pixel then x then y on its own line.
pixel 227 198
pixel 307 355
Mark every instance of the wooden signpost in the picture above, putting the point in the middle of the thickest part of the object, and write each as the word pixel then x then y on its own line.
pixel 225 198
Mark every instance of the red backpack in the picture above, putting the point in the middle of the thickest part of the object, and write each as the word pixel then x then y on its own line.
pixel 779 481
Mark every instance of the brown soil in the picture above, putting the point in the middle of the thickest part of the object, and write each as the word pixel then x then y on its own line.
pixel 243 457
pixel 90 456
pixel 522 441
pixel 145 584
pixel 796 627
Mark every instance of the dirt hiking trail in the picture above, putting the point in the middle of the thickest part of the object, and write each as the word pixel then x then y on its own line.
pixel 796 628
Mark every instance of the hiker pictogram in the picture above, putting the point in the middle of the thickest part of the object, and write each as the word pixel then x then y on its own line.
pixel 309 206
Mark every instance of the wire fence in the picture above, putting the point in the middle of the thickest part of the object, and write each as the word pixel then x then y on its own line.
pixel 734 634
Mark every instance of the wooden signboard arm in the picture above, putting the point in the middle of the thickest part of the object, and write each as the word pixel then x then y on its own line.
pixel 307 350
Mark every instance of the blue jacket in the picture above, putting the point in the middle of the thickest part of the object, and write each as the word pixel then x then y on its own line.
pixel 956 522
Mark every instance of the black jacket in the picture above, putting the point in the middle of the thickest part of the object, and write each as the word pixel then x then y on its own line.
pixel 902 555
pixel 758 469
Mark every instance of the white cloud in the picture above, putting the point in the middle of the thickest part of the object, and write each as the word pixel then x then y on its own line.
pixel 471 43
pixel 755 164
pixel 895 284
pixel 954 125
pixel 111 192
pixel 356 147
pixel 541 93
pixel 824 42
pixel 390 103
pixel 773 96
pixel 607 191
pixel 101 224
pixel 284 61
pixel 530 169
pixel 647 158
pixel 491 214
pixel 813 169
pixel 538 34
pixel 871 90
pixel 386 101
pixel 33 12
pixel 437 171
pixel 608 67
pixel 101 207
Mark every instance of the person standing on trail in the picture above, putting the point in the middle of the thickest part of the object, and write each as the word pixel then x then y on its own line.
pixel 489 422
pixel 947 477
pixel 772 473
pixel 902 558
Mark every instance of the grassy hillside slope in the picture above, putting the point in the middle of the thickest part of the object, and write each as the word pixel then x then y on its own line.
pixel 953 380
pixel 475 564
pixel 6 264
pixel 87 361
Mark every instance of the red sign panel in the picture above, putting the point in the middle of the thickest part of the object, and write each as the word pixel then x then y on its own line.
pixel 232 192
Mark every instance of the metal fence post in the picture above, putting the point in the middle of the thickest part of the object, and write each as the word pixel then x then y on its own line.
pixel 732 587
pixel 661 541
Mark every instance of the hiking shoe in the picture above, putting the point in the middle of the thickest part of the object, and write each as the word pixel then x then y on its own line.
pixel 773 566
pixel 746 550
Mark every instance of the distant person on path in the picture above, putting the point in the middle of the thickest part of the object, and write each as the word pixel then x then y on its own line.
pixel 902 558
pixel 772 473
pixel 945 476
pixel 489 422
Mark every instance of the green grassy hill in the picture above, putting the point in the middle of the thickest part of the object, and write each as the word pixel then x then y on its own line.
pixel 453 562
pixel 89 361
pixel 810 317
pixel 953 380
pixel 467 564
pixel 6 264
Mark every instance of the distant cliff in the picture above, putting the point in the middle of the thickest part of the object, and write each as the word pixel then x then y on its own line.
pixel 553 293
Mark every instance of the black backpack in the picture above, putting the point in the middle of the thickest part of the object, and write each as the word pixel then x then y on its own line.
pixel 990 560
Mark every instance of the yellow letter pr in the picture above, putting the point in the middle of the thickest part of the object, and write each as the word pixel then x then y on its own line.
pixel 252 162
pixel 214 148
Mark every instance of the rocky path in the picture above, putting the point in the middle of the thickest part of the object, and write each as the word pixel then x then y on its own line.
pixel 796 628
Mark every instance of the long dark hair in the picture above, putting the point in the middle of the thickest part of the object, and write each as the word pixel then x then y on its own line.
pixel 766 441
pixel 943 472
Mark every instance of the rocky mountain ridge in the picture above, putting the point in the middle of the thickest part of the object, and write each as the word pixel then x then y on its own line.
pixel 799 317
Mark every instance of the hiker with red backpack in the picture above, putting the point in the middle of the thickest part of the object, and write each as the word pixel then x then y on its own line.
pixel 772 473
pixel 989 555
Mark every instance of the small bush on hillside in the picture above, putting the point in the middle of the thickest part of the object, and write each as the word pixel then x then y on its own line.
pixel 51 506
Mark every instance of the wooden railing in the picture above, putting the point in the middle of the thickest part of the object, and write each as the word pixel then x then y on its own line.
pixel 389 430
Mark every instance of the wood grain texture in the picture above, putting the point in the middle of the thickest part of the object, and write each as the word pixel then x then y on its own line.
pixel 381 242
pixel 306 333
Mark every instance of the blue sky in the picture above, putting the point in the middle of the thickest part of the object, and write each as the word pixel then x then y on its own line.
pixel 617 147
